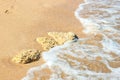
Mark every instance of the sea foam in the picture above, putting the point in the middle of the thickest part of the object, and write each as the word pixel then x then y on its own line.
pixel 96 57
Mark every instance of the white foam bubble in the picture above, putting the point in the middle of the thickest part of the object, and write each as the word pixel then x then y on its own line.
pixel 75 58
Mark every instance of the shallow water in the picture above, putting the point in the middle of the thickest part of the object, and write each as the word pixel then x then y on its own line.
pixel 96 57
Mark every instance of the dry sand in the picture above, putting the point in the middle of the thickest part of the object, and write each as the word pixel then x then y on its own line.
pixel 21 21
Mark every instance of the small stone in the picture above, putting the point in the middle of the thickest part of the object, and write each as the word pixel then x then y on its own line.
pixel 6 11
pixel 62 37
pixel 46 43
pixel 27 56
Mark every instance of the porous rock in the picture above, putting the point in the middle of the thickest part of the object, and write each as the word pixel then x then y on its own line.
pixel 46 43
pixel 27 56
pixel 62 37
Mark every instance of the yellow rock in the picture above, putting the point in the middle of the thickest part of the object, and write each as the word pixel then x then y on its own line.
pixel 27 56
pixel 46 43
pixel 62 37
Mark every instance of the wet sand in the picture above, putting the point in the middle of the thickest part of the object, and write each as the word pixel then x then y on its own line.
pixel 21 22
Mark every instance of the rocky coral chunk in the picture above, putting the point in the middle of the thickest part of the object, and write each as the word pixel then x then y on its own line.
pixel 46 43
pixel 27 56
pixel 62 37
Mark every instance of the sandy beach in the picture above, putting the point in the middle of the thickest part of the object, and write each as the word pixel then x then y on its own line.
pixel 22 21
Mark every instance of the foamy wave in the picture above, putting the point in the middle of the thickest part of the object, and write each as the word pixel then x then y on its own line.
pixel 96 57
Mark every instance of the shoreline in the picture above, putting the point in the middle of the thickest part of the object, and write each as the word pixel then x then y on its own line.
pixel 27 23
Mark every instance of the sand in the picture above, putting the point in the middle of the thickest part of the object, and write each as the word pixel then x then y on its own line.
pixel 22 21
